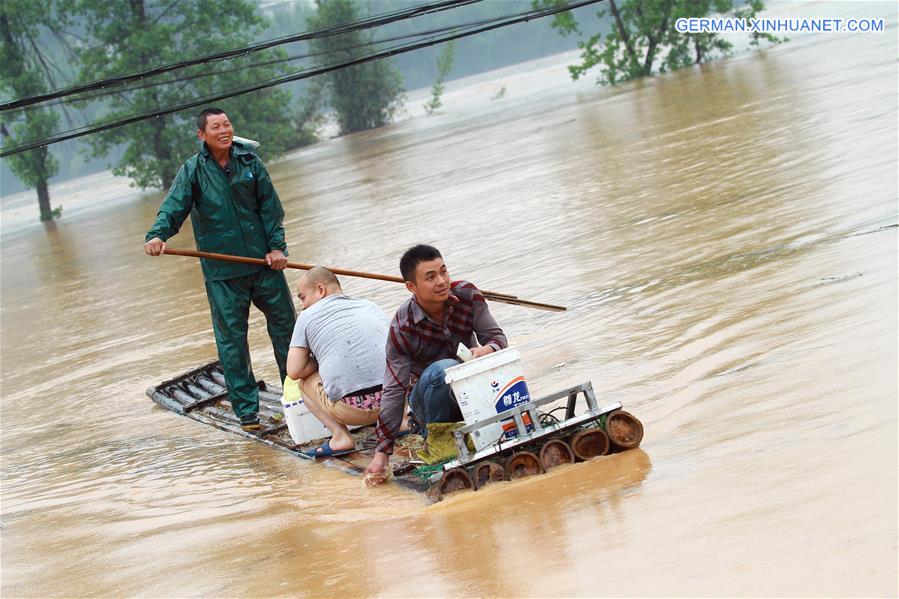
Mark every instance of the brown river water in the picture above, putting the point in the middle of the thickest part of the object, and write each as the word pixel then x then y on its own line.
pixel 726 241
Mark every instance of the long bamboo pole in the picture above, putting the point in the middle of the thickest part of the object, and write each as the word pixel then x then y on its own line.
pixel 491 295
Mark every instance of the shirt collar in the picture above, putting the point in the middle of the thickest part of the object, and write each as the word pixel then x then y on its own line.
pixel 328 299
pixel 418 314
pixel 333 296
pixel 236 150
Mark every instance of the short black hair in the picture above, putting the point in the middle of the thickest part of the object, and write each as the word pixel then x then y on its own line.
pixel 415 255
pixel 201 118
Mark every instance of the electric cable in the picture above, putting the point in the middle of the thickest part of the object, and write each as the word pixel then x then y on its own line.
pixel 342 28
pixel 108 92
pixel 302 74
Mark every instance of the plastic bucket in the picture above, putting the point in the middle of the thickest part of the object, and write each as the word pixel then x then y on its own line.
pixel 624 429
pixel 488 386
pixel 589 443
pixel 523 463
pixel 302 425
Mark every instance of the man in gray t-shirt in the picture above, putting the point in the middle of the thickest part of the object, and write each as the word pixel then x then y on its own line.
pixel 338 351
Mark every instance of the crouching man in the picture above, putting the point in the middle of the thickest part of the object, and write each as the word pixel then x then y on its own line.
pixel 424 335
pixel 337 355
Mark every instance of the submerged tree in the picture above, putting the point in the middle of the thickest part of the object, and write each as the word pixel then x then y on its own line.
pixel 364 96
pixel 444 65
pixel 132 35
pixel 26 72
pixel 644 41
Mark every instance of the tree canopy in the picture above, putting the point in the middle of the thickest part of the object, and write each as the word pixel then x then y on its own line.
pixel 643 40
pixel 363 96
pixel 127 36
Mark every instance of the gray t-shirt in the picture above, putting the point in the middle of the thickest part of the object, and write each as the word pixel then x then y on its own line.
pixel 347 336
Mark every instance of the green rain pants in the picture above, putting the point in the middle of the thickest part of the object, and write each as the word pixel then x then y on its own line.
pixel 229 302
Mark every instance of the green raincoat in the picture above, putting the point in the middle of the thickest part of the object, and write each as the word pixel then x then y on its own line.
pixel 236 212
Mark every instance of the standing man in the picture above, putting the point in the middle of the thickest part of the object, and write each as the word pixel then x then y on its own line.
pixel 234 209
pixel 424 335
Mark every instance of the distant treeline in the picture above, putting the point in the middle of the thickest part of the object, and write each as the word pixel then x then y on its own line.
pixel 477 54
pixel 484 52
pixel 144 129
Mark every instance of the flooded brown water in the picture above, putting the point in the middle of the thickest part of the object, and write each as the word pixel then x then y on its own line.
pixel 726 241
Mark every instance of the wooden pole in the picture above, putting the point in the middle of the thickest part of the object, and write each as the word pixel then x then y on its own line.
pixel 491 295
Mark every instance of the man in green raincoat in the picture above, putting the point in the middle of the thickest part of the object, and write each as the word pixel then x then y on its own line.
pixel 234 209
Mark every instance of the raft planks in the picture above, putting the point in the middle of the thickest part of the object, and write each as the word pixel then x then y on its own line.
pixel 200 395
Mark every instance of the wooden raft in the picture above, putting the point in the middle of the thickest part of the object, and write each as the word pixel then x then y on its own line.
pixel 200 394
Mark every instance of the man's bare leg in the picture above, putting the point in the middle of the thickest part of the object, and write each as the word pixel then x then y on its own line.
pixel 340 436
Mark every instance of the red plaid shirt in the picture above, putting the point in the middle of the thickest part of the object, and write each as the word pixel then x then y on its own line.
pixel 415 342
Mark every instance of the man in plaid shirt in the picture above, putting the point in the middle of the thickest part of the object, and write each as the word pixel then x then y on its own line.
pixel 421 344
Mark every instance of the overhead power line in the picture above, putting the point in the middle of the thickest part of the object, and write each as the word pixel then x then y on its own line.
pixel 150 84
pixel 368 23
pixel 304 74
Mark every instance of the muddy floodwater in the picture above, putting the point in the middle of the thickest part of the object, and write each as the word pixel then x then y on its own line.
pixel 725 239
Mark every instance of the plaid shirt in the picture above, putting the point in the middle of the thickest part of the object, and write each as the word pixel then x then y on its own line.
pixel 415 342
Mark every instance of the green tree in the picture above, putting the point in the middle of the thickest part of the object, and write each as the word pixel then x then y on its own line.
pixel 130 35
pixel 364 96
pixel 643 40
pixel 26 72
pixel 444 66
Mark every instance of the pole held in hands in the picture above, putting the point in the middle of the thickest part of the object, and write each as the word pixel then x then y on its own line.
pixel 491 295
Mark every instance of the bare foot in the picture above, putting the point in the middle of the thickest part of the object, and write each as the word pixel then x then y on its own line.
pixel 342 441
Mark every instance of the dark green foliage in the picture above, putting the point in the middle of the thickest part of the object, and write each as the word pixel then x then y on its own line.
pixel 643 40
pixel 26 72
pixel 127 36
pixel 364 96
